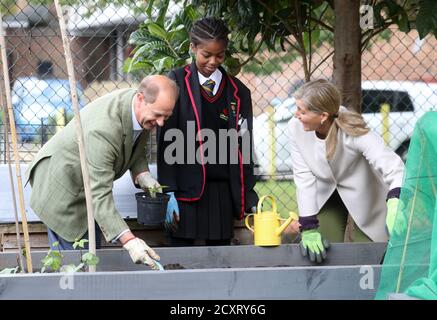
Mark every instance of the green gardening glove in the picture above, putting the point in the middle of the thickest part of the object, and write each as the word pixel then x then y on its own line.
pixel 313 245
pixel 392 209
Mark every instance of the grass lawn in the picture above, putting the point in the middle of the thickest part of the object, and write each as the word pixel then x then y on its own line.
pixel 284 191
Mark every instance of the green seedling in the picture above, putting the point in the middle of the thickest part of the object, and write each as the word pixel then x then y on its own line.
pixel 53 260
pixel 154 190
pixel 10 270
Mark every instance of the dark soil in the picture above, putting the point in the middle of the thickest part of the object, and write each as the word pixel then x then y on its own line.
pixel 173 266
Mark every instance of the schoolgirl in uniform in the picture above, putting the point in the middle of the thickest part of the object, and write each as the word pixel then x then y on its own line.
pixel 207 192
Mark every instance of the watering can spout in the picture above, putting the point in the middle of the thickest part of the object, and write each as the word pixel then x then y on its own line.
pixel 281 228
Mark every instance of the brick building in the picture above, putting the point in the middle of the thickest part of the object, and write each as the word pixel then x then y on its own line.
pixel 98 51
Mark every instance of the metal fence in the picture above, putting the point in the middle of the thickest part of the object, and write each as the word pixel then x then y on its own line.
pixel 397 72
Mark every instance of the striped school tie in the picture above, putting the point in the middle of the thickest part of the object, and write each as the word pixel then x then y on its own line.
pixel 208 86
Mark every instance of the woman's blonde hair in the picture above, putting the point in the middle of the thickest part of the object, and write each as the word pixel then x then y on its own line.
pixel 322 96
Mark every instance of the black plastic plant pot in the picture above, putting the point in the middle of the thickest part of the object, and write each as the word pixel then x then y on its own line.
pixel 151 211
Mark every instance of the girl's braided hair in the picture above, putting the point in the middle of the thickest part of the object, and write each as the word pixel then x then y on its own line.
pixel 207 29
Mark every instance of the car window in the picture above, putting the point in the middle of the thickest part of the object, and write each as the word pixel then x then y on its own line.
pixel 35 100
pixel 399 101
pixel 53 91
pixel 404 102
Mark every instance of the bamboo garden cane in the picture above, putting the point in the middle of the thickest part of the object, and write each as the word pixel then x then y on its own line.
pixel 79 133
pixel 11 179
pixel 15 147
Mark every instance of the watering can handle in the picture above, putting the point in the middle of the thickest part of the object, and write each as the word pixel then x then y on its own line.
pixel 261 201
pixel 247 222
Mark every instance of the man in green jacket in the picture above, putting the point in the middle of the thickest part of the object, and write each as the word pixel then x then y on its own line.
pixel 115 128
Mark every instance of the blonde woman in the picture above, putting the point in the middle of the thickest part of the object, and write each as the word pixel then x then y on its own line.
pixel 340 167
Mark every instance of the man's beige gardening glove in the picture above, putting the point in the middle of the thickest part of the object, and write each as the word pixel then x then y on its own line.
pixel 146 181
pixel 140 252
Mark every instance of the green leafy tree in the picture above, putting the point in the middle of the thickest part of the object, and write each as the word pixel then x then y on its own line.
pixel 161 44
pixel 296 28
pixel 285 30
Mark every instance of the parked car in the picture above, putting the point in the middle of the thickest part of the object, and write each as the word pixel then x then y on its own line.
pixel 408 101
pixel 38 104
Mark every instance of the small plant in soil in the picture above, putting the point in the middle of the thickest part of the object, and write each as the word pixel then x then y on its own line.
pixel 53 260
pixel 154 190
pixel 10 270
pixel 16 269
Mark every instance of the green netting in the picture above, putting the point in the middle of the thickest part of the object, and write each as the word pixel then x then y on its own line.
pixel 410 265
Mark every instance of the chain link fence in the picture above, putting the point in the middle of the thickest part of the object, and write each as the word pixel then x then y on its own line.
pixel 398 72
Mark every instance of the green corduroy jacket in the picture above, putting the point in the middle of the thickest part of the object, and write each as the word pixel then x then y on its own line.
pixel 55 174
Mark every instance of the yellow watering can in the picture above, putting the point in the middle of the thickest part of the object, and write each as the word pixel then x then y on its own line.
pixel 267 228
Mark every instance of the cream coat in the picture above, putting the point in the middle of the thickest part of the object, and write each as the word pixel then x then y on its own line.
pixel 363 170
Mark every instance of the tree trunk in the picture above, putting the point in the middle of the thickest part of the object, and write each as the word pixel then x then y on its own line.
pixel 347 63
pixel 347 52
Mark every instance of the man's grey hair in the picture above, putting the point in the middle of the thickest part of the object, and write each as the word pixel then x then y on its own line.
pixel 150 89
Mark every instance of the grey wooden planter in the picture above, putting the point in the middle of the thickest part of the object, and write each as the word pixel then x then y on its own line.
pixel 234 272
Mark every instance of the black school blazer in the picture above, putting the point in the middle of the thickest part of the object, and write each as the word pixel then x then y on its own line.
pixel 188 180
